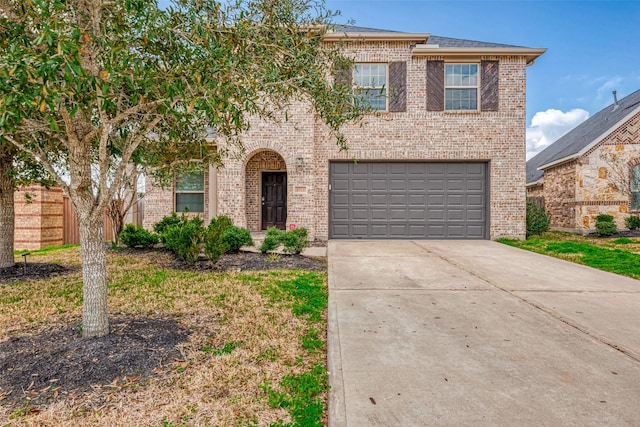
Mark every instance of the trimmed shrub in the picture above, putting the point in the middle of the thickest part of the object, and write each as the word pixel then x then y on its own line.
pixel 161 226
pixel 537 219
pixel 235 237
pixel 605 226
pixel 222 237
pixel 185 238
pixel 632 222
pixel 214 245
pixel 271 241
pixel 295 241
pixel 136 236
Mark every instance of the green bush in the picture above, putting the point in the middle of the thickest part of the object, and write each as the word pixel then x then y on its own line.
pixel 236 237
pixel 222 237
pixel 185 238
pixel 605 225
pixel 295 241
pixel 134 236
pixel 632 222
pixel 537 219
pixel 272 240
pixel 214 245
pixel 161 226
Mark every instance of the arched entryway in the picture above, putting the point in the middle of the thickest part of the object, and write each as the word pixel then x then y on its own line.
pixel 266 191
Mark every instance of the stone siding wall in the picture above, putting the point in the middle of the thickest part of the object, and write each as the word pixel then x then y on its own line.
pixel 496 137
pixel 603 176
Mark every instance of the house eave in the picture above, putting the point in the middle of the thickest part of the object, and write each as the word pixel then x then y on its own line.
pixel 535 183
pixel 558 162
pixel 377 36
pixel 531 54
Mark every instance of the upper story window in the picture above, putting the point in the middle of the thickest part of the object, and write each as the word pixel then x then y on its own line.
pixel 461 86
pixel 190 192
pixel 369 84
pixel 634 187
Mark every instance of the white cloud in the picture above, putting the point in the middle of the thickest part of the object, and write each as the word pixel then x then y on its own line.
pixel 547 126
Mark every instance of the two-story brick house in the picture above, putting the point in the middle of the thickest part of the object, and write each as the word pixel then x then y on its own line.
pixel 444 158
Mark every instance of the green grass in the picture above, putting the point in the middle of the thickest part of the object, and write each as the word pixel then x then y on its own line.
pixel 45 250
pixel 301 397
pixel 618 256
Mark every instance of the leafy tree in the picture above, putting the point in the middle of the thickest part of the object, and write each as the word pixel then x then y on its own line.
pixel 87 87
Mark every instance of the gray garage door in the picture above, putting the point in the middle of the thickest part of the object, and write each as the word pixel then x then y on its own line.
pixel 392 200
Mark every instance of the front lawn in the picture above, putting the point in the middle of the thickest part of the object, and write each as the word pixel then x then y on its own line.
pixel 616 255
pixel 187 347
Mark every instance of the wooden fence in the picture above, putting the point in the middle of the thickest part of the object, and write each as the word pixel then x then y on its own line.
pixel 70 229
pixel 538 201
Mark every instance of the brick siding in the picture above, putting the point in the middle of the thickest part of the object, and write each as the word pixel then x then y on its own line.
pixel 497 137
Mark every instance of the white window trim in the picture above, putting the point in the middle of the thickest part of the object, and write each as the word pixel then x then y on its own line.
pixel 385 86
pixel 176 192
pixel 477 87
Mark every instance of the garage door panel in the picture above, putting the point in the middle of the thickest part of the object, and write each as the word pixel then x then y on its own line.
pixel 379 184
pixel 398 185
pixel 398 200
pixel 379 199
pixel 475 215
pixel 475 184
pixel 360 169
pixel 417 214
pixel 360 214
pixel 416 199
pixel 398 214
pixel 340 184
pixel 359 230
pixel 379 214
pixel 408 200
pixel 379 231
pixel 360 200
pixel 398 231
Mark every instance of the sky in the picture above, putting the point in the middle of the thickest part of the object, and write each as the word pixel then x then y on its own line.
pixel 593 47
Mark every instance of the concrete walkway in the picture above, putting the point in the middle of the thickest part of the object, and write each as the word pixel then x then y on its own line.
pixel 475 333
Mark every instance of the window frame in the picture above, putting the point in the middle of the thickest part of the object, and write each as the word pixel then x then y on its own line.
pixel 634 188
pixel 383 88
pixel 176 191
pixel 477 86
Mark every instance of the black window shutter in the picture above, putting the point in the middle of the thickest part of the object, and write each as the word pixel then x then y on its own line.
pixel 435 85
pixel 397 86
pixel 489 93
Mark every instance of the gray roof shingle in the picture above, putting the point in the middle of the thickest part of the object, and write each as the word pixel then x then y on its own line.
pixel 339 28
pixel 445 42
pixel 451 42
pixel 582 135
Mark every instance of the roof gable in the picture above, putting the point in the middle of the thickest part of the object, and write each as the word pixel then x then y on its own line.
pixel 581 138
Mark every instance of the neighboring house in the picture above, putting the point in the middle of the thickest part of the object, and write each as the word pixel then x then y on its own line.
pixel 593 169
pixel 443 159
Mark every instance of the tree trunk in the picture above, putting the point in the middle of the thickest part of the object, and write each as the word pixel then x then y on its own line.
pixel 95 321
pixel 7 215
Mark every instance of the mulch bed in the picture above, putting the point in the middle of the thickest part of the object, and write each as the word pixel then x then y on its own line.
pixel 41 367
pixel 38 368
pixel 33 271
pixel 241 261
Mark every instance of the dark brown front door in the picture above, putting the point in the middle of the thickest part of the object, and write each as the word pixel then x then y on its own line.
pixel 274 200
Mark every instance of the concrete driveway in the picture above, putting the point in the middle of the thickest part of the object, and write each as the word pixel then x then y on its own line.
pixel 476 333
